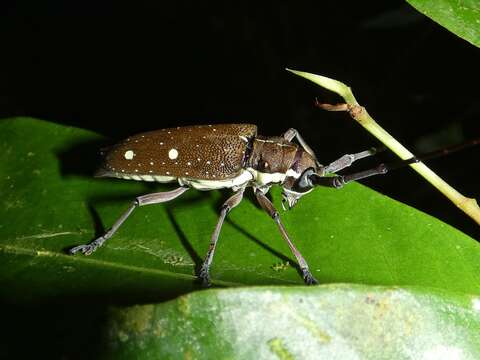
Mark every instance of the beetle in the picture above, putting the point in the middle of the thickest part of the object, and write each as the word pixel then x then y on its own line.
pixel 233 156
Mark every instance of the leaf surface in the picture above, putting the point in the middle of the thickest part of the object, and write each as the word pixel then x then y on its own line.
pixel 325 322
pixel 460 17
pixel 50 202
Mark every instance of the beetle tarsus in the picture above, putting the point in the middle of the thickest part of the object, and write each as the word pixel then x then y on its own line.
pixel 204 277
pixel 87 249
pixel 308 277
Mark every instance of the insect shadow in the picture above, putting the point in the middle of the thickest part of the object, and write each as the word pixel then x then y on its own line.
pixel 197 260
pixel 81 158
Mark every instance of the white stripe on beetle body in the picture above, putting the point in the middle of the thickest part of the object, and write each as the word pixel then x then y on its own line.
pixel 246 177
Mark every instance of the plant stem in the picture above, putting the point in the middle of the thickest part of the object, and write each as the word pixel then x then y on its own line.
pixel 360 114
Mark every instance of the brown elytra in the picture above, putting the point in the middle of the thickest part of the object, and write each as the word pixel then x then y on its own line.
pixel 210 152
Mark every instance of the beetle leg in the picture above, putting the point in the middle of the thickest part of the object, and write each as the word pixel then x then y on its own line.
pixel 267 205
pixel 228 205
pixel 339 180
pixel 348 159
pixel 154 198
pixel 293 133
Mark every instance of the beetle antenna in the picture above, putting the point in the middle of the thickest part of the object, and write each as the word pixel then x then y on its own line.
pixel 434 154
pixel 340 180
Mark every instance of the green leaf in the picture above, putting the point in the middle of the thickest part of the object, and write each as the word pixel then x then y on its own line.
pixel 50 202
pixel 324 322
pixel 460 17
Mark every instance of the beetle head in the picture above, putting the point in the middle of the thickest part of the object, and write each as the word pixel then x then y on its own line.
pixel 295 187
pixel 298 183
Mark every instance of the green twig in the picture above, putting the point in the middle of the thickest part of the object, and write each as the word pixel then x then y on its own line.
pixel 360 114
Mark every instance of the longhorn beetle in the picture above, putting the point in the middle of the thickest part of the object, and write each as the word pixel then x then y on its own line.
pixel 233 156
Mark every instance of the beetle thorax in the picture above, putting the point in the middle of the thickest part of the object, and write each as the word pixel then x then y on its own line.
pixel 273 159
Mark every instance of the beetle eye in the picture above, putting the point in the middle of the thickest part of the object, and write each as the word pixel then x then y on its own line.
pixel 303 183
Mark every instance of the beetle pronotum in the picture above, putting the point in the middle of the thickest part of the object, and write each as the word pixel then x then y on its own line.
pixel 233 156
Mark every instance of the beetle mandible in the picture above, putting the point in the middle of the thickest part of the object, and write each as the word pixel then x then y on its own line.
pixel 208 157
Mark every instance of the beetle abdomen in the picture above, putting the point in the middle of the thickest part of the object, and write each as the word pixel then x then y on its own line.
pixel 210 152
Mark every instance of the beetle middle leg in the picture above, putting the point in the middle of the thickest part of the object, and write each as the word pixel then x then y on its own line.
pixel 228 205
pixel 154 198
pixel 267 205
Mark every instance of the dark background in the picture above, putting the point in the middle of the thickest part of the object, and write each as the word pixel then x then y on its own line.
pixel 119 69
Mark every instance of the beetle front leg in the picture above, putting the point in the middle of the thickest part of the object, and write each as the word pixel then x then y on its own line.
pixel 270 209
pixel 234 200
pixel 292 133
pixel 148 199
pixel 348 159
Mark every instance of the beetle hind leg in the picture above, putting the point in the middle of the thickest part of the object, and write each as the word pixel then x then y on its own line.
pixel 155 198
pixel 234 200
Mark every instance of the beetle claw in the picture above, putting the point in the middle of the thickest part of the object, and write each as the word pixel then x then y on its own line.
pixel 84 249
pixel 204 277
pixel 87 249
pixel 308 277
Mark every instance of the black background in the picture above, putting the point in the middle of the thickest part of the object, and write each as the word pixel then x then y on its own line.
pixel 124 68
pixel 121 68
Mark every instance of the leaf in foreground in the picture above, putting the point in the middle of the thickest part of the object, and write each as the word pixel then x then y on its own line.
pixel 325 322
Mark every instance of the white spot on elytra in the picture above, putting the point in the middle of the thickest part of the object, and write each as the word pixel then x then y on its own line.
pixel 151 162
pixel 173 154
pixel 208 162
pixel 198 159
pixel 186 173
pixel 136 170
pixel 161 143
pixel 222 164
pixel 129 154
pixel 168 173
pixel 189 163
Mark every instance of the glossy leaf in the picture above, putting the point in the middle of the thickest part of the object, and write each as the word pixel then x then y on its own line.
pixel 50 202
pixel 460 17
pixel 325 322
